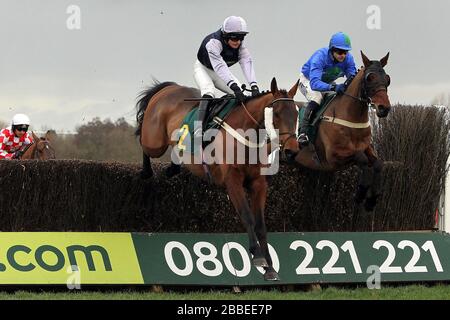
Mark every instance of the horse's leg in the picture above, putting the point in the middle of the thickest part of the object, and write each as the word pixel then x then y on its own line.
pixel 234 183
pixel 377 166
pixel 365 178
pixel 147 171
pixel 258 195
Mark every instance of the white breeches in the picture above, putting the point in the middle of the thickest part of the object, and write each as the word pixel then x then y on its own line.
pixel 309 94
pixel 208 81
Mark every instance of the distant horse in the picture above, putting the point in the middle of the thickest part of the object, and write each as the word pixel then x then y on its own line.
pixel 161 110
pixel 344 133
pixel 40 149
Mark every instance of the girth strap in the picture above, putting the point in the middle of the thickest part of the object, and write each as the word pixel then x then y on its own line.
pixel 345 123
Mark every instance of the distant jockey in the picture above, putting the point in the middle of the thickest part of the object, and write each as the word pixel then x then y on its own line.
pixel 13 138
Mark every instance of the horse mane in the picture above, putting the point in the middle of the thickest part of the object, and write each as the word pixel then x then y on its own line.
pixel 144 97
pixel 262 93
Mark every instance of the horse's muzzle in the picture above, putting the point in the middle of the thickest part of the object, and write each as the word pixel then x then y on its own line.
pixel 289 156
pixel 382 111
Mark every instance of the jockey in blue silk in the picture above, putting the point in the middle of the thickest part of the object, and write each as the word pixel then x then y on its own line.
pixel 319 73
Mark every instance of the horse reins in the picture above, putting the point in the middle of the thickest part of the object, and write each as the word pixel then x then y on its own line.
pixel 249 115
pixel 25 149
pixel 291 135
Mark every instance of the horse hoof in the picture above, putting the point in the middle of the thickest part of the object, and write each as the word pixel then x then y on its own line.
pixel 271 276
pixel 260 262
pixel 146 174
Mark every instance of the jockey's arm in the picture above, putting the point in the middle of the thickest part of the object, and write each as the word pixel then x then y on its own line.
pixel 214 48
pixel 3 153
pixel 246 62
pixel 350 71
pixel 315 76
pixel 28 139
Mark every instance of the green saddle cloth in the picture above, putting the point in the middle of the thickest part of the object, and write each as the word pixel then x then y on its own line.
pixel 186 132
pixel 312 129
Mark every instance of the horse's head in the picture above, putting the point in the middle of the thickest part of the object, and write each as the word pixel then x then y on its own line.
pixel 43 149
pixel 285 119
pixel 375 84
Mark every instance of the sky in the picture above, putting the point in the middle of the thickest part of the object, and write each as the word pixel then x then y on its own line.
pixel 62 67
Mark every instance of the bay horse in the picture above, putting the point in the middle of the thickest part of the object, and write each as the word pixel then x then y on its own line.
pixel 40 149
pixel 344 133
pixel 161 110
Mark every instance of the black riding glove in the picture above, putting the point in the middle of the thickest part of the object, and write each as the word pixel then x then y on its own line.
pixel 17 154
pixel 255 90
pixel 338 88
pixel 240 97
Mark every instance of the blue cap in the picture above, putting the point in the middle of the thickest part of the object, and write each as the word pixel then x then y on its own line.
pixel 340 41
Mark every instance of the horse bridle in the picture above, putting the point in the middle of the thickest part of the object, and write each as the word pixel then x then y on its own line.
pixel 270 105
pixel 291 135
pixel 365 97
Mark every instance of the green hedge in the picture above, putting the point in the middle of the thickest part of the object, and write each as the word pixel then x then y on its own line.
pixel 68 195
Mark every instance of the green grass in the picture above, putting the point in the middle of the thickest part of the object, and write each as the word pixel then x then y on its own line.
pixel 331 293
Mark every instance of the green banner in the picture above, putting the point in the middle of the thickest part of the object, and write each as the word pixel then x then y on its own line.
pixel 223 259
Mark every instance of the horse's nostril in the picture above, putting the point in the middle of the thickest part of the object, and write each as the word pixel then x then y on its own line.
pixel 290 154
pixel 382 111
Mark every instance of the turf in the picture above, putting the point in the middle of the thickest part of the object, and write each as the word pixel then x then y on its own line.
pixel 412 292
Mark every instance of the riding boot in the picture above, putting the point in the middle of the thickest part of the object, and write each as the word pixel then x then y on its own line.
pixel 310 110
pixel 202 108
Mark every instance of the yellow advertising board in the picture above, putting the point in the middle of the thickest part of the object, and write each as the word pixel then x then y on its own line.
pixel 68 258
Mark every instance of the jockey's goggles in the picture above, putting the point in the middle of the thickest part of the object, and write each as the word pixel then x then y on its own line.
pixel 21 128
pixel 235 37
pixel 340 51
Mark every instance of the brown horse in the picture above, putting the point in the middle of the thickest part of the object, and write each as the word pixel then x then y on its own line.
pixel 161 110
pixel 40 149
pixel 344 134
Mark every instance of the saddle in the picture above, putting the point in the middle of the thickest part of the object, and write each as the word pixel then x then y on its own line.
pixel 312 129
pixel 220 108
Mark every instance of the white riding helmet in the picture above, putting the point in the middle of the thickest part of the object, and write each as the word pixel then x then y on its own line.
pixel 20 118
pixel 234 24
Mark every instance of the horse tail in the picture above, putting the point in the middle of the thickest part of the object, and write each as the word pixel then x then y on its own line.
pixel 144 97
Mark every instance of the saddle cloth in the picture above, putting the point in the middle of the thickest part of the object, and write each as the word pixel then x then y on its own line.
pixel 216 108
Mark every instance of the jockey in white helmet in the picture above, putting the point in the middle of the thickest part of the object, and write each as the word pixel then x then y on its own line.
pixel 219 51
pixel 13 138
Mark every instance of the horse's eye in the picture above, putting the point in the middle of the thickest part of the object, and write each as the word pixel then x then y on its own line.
pixel 370 77
pixel 388 80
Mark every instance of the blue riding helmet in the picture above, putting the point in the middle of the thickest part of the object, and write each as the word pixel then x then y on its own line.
pixel 340 41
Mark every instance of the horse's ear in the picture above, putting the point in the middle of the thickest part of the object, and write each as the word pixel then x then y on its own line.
pixel 50 135
pixel 35 137
pixel 274 86
pixel 293 90
pixel 365 60
pixel 384 60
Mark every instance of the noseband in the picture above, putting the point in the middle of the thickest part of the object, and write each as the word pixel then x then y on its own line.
pixel 291 135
